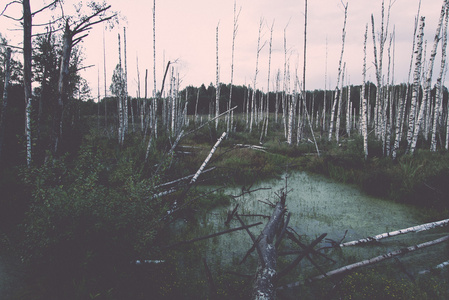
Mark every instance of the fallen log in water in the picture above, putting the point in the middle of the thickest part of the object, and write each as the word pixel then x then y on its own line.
pixel 378 237
pixel 380 258
pixel 266 272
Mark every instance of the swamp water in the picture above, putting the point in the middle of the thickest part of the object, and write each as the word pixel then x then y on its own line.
pixel 319 205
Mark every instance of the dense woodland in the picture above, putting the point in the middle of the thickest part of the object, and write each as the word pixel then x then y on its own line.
pixel 88 184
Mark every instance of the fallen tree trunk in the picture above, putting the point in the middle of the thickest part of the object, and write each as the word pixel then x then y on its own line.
pixel 417 228
pixel 181 179
pixel 266 272
pixel 380 258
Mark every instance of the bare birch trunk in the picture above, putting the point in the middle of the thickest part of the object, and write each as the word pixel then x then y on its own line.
pixel 234 34
pixel 276 105
pixel 154 108
pixel 439 93
pixel 27 56
pixel 340 100
pixel 121 128
pixel 217 82
pixel 105 88
pixel 325 90
pixel 200 170
pixel 428 81
pixel 416 80
pixel 401 114
pixel 331 126
pixel 172 101
pixel 348 112
pixel 253 97
pixel 196 105
pixel 417 228
pixel 247 105
pixel 364 102
pixel 284 93
pixel 380 258
pixel 28 131
pixel 291 112
pixel 127 102
pixel 268 83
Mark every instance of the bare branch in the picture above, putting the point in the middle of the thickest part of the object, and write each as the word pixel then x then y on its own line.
pixel 213 235
pixel 45 7
pixel 78 28
pixel 6 7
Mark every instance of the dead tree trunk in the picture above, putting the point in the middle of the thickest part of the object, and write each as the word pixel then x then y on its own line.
pixel 378 237
pixel 380 258
pixel 439 93
pixel 5 96
pixel 266 272
pixel 331 125
pixel 27 21
pixel 428 81
pixel 234 33
pixel 217 91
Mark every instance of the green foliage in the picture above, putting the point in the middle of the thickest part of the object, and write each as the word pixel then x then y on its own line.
pixel 89 217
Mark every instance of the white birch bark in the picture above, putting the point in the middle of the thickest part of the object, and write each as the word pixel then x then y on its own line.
pixel 447 129
pixel 417 228
pixel 217 81
pixel 234 34
pixel 439 93
pixel 416 80
pixel 325 90
pixel 196 105
pixel 27 77
pixel 364 102
pixel 348 112
pixel 105 88
pixel 284 93
pixel 172 101
pixel 290 118
pixel 200 170
pixel 381 258
pixel 400 120
pixel 248 97
pixel 120 95
pixel 428 81
pixel 253 97
pixel 340 100
pixel 276 105
pixel 331 125
pixel 268 83
pixel 127 102
pixel 28 131
pixel 154 106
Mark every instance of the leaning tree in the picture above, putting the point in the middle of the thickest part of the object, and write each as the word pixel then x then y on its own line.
pixel 75 29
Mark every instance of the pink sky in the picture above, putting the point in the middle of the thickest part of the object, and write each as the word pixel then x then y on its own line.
pixel 186 32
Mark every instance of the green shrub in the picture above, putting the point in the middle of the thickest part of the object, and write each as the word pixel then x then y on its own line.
pixel 88 218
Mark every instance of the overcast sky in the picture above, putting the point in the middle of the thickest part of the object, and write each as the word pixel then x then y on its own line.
pixel 185 31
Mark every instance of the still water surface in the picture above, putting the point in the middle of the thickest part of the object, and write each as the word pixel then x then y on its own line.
pixel 319 205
